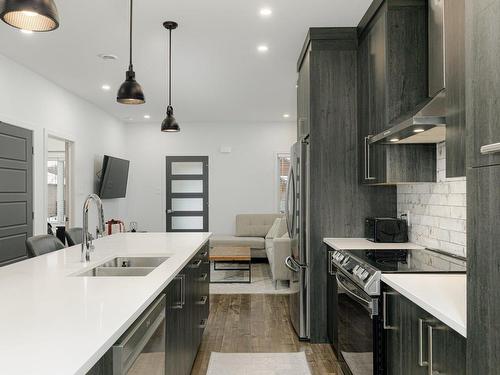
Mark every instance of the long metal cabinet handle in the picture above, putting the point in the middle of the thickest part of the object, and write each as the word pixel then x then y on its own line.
pixel 429 354
pixel 183 289
pixel 490 149
pixel 421 361
pixel 330 262
pixel 384 310
pixel 367 160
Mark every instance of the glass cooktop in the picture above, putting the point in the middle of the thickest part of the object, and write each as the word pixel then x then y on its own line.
pixel 400 261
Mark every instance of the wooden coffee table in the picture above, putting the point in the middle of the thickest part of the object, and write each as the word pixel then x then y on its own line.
pixel 240 255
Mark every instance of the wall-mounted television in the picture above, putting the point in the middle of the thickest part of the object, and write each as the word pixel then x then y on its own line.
pixel 114 177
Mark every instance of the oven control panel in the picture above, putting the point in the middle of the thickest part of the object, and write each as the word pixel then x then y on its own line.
pixel 359 272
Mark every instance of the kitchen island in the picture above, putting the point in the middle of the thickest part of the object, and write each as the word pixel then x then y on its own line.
pixel 53 321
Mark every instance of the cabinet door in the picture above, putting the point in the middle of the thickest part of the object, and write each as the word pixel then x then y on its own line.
pixel 174 340
pixel 364 131
pixel 483 263
pixel 448 351
pixel 454 11
pixel 483 109
pixel 414 339
pixel 303 97
pixel 377 75
pixel 393 328
pixel 331 304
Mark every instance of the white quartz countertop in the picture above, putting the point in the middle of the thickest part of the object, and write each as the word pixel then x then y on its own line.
pixel 444 296
pixel 52 322
pixel 364 244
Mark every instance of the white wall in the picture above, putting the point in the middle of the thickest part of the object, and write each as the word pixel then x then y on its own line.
pixel 243 181
pixel 437 210
pixel 30 101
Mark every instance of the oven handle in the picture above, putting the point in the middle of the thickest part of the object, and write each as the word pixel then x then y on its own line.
pixel 366 303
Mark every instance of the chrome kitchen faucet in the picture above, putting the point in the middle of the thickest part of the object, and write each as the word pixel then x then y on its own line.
pixel 87 245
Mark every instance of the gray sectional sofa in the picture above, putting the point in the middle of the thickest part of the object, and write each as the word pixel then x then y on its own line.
pixel 267 237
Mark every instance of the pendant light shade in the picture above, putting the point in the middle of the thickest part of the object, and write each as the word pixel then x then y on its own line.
pixel 170 123
pixel 130 91
pixel 33 15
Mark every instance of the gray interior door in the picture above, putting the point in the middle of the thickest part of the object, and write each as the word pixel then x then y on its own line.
pixel 16 192
pixel 187 194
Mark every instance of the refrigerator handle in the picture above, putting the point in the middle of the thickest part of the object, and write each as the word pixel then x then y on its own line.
pixel 290 264
pixel 290 188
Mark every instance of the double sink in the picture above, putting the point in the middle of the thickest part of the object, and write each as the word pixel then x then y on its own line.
pixel 125 266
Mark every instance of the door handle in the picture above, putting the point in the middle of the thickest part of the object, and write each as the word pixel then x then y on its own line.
pixel 430 357
pixel 367 160
pixel 196 264
pixel 384 310
pixel 180 304
pixel 203 300
pixel 490 149
pixel 421 361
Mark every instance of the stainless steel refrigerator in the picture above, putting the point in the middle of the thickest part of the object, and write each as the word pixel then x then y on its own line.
pixel 297 216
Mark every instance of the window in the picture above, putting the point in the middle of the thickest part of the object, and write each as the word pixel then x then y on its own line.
pixel 283 169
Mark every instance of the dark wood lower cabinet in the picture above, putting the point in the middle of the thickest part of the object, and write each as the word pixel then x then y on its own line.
pixel 415 340
pixel 186 314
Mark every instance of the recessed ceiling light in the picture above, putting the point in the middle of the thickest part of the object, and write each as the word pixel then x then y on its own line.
pixel 394 140
pixel 147 117
pixel 106 87
pixel 262 48
pixel 286 115
pixel 107 56
pixel 265 12
pixel 26 31
pixel 419 130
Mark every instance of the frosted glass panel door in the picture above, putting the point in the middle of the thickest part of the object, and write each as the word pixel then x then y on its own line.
pixel 187 194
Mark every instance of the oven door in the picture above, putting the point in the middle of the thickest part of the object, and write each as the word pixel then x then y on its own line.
pixel 357 319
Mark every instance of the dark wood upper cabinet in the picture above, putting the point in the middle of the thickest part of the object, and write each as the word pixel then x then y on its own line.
pixel 392 81
pixel 483 105
pixel 454 14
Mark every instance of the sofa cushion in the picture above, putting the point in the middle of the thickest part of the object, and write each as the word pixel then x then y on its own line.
pixel 273 232
pixel 269 242
pixel 252 242
pixel 282 229
pixel 254 225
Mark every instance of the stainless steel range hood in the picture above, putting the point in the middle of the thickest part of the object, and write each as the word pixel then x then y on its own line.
pixel 427 125
pixel 427 122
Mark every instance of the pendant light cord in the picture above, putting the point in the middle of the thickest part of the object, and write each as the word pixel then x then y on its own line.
pixel 170 67
pixel 130 44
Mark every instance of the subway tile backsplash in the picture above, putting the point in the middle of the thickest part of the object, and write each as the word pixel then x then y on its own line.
pixel 437 210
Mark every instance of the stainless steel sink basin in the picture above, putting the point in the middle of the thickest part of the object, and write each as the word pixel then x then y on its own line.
pixel 125 266
pixel 126 262
pixel 117 271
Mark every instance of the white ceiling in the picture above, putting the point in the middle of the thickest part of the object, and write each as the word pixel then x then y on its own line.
pixel 218 75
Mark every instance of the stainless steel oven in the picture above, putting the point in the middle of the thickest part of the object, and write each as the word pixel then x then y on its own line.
pixel 358 328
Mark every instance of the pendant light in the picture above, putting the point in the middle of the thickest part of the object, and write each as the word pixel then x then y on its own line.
pixel 130 92
pixel 32 15
pixel 170 123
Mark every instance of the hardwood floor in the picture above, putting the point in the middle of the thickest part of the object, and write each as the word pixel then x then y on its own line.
pixel 252 323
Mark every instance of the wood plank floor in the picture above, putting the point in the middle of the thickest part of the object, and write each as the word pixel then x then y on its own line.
pixel 252 323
